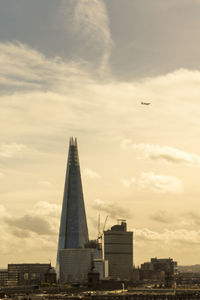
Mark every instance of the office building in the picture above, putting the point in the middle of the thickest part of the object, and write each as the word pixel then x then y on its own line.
pixel 27 274
pixel 73 225
pixel 118 250
pixel 75 265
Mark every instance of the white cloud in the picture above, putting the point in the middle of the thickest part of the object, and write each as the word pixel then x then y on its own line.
pixel 159 183
pixel 88 173
pixel 126 143
pixel 46 209
pixel 179 236
pixel 164 153
pixel 127 183
pixel 45 184
pixel 12 149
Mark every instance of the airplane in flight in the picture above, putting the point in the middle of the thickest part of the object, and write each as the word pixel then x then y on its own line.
pixel 145 103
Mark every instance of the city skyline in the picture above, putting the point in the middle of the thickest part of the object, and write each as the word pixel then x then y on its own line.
pixel 82 68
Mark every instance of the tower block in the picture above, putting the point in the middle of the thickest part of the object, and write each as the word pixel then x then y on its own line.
pixel 73 232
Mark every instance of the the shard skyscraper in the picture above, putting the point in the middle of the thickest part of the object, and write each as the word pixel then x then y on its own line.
pixel 73 225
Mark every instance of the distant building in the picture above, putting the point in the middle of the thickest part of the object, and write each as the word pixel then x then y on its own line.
pixel 73 233
pixel 3 277
pixel 162 270
pixel 118 250
pixel 166 265
pixel 27 274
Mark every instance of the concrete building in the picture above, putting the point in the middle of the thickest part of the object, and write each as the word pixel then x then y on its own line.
pixel 3 277
pixel 75 265
pixel 73 233
pixel 166 265
pixel 118 250
pixel 162 270
pixel 27 274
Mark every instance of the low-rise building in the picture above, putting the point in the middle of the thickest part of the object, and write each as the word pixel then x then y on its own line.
pixel 3 277
pixel 162 270
pixel 27 274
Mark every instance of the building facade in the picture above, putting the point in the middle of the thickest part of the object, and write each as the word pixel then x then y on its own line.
pixel 167 265
pixel 27 274
pixel 75 265
pixel 160 269
pixel 73 232
pixel 118 250
pixel 3 277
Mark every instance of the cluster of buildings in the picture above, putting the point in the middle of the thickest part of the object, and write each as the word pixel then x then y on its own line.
pixel 159 270
pixel 112 256
pixel 80 260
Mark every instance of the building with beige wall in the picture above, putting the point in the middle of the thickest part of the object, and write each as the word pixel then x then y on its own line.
pixel 118 250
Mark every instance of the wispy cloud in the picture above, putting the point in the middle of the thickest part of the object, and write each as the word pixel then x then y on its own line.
pixel 190 218
pixel 113 210
pixel 164 153
pixel 88 173
pixel 128 182
pixel 180 236
pixel 12 149
pixel 45 184
pixel 158 183
pixel 162 216
pixel 24 68
pixel 90 20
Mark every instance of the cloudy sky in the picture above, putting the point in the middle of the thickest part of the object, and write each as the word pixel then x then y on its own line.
pixel 81 68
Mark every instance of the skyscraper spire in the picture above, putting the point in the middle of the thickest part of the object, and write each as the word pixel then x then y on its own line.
pixel 73 225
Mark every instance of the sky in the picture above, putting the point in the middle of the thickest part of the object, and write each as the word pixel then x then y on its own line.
pixel 82 68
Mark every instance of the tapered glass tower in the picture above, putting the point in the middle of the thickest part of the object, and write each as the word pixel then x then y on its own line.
pixel 73 225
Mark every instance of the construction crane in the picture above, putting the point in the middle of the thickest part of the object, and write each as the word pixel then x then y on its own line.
pixel 100 233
